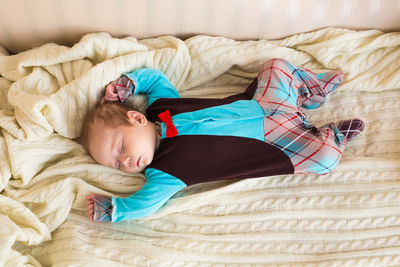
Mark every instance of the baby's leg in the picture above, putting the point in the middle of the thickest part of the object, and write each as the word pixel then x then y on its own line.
pixel 315 87
pixel 310 149
pixel 282 87
pixel 281 91
pixel 277 88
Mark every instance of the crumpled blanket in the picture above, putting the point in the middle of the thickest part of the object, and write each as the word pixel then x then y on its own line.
pixel 350 216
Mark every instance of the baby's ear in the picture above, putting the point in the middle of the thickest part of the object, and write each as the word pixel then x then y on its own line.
pixel 135 117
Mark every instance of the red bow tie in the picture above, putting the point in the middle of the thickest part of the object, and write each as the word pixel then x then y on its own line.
pixel 166 118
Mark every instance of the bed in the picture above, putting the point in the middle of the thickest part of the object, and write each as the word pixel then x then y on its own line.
pixel 55 58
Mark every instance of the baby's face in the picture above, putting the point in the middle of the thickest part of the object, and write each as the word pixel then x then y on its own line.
pixel 127 147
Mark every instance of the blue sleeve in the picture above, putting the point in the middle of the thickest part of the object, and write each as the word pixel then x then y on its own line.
pixel 159 188
pixel 152 83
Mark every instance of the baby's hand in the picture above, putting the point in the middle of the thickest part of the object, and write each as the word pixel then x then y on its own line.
pixel 99 208
pixel 118 90
pixel 111 93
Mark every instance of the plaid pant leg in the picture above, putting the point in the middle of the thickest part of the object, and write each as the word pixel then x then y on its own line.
pixel 277 88
pixel 310 149
pixel 281 91
pixel 284 87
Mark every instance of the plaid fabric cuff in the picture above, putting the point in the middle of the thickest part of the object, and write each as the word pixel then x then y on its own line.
pixel 125 87
pixel 102 208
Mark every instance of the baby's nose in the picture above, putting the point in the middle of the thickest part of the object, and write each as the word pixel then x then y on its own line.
pixel 125 160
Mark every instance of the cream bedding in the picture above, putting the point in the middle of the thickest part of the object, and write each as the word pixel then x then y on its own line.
pixel 348 217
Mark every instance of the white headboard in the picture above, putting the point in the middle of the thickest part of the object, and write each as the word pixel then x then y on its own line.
pixel 28 23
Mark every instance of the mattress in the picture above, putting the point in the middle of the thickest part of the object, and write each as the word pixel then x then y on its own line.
pixel 350 216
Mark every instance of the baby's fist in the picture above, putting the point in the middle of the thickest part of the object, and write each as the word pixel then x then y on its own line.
pixel 118 90
pixel 111 93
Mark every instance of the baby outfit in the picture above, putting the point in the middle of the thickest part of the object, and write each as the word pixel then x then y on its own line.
pixel 258 133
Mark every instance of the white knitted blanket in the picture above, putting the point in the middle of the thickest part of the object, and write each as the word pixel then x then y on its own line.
pixel 349 217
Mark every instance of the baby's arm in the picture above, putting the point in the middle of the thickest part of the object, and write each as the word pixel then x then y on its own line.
pixel 159 188
pixel 153 83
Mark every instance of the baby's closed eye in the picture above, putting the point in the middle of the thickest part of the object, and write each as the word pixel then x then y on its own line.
pixel 122 147
pixel 121 150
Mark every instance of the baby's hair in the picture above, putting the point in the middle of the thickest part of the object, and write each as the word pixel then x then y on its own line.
pixel 110 114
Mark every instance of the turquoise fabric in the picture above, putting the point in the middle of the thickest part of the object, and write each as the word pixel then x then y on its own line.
pixel 153 83
pixel 159 188
pixel 242 118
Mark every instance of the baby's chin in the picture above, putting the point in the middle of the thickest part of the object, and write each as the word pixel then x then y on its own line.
pixel 145 162
pixel 136 170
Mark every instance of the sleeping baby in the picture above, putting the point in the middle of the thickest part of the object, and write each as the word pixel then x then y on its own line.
pixel 184 141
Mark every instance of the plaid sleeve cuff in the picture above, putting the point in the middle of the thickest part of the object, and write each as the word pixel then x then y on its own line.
pixel 102 208
pixel 125 87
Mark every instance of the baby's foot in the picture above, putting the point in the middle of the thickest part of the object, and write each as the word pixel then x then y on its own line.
pixel 350 128
pixel 99 208
pixel 330 80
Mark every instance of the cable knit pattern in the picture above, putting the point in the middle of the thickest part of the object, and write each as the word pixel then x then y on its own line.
pixel 349 217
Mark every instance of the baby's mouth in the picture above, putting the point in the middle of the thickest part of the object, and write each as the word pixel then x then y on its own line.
pixel 138 162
